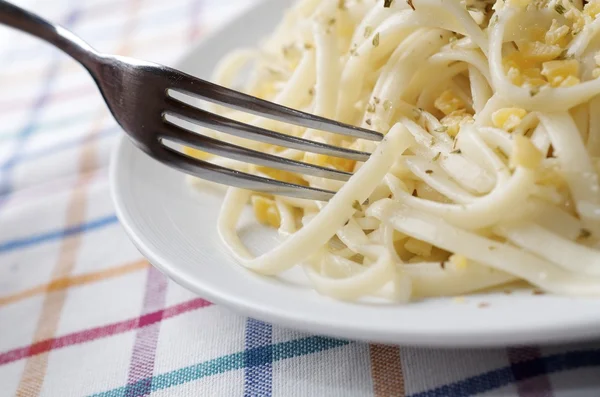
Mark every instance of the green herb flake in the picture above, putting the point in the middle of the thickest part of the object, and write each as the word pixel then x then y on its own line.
pixel 376 40
pixel 429 172
pixel 584 233
pixel 410 3
pixel 356 205
pixel 388 3
pixel 559 8
pixel 493 21
pixel 533 91
pixel 436 157
pixel 563 55
pixel 368 31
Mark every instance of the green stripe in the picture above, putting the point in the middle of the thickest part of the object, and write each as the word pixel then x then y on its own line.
pixel 231 362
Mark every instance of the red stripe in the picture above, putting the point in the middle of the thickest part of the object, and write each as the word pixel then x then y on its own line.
pixel 101 332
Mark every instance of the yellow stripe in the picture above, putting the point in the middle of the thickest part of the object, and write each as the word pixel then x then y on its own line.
pixel 74 281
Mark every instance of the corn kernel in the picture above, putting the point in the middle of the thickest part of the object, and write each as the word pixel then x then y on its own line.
pixel 459 261
pixel 534 82
pixel 537 51
pixel 279 175
pixel 532 73
pixel 448 102
pixel 266 211
pixel 508 118
pixel 558 71
pixel 329 162
pixel 592 8
pixel 518 60
pixel 195 153
pixel 570 81
pixel 515 77
pixel 455 120
pixel 418 247
pixel 576 18
pixel 524 153
pixel 556 34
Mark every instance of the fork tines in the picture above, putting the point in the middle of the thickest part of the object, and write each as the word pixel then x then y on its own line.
pixel 246 103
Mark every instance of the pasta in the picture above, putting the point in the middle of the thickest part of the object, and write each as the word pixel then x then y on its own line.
pixel 489 169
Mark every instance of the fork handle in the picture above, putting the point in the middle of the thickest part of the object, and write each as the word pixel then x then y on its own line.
pixel 28 22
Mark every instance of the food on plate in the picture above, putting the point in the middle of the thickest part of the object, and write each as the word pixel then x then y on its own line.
pixel 489 169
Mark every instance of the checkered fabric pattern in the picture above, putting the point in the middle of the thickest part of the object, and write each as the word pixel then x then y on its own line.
pixel 81 312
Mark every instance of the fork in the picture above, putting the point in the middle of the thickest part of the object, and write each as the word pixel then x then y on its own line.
pixel 139 95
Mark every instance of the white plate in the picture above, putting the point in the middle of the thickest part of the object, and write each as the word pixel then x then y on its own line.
pixel 174 226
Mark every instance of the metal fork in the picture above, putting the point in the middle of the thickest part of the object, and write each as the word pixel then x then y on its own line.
pixel 138 94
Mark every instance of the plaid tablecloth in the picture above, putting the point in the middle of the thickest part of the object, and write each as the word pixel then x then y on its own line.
pixel 81 312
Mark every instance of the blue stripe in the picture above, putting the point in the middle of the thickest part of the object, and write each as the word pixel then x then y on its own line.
pixel 234 362
pixel 26 242
pixel 36 110
pixel 258 359
pixel 526 370
pixel 69 144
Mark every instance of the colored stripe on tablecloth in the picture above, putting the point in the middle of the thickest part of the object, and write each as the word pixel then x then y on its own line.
pixel 86 89
pixel 34 372
pixel 386 371
pixel 74 281
pixel 141 366
pixel 146 43
pixel 538 386
pixel 235 361
pixel 100 332
pixel 501 377
pixel 153 19
pixel 258 359
pixel 36 109
pixel 69 231
pixel 465 388
pixel 70 144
